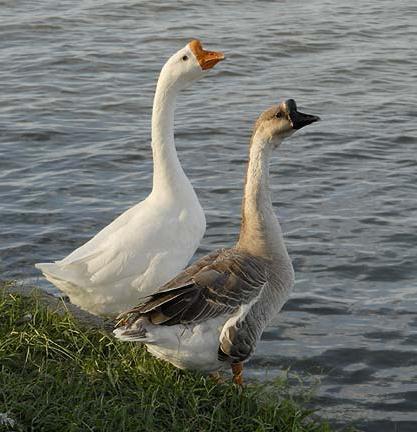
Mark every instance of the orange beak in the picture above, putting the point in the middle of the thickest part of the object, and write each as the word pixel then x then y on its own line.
pixel 207 59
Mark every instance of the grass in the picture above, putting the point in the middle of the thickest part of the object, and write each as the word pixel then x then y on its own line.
pixel 56 375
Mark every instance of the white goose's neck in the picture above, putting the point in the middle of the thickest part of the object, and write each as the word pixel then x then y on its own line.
pixel 260 232
pixel 168 175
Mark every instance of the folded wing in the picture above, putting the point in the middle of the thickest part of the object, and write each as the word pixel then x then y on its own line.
pixel 218 284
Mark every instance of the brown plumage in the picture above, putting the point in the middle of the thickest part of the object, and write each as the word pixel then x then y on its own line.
pixel 217 284
pixel 213 313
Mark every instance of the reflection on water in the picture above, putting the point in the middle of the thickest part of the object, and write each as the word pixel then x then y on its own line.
pixel 78 81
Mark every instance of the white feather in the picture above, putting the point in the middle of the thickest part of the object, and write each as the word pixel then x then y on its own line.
pixel 151 242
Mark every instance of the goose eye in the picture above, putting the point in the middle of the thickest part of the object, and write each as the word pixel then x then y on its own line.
pixel 185 58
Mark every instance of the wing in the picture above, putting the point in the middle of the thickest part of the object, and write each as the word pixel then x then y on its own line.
pixel 217 284
pixel 116 252
pixel 124 251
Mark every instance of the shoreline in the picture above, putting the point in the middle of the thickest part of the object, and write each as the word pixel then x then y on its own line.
pixel 61 370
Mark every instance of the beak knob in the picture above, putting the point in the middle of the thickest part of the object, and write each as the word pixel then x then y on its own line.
pixel 206 59
pixel 299 119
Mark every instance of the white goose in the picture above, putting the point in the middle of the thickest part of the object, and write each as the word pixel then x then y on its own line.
pixel 151 242
pixel 212 315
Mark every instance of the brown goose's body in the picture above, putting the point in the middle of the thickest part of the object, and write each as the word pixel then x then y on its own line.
pixel 213 313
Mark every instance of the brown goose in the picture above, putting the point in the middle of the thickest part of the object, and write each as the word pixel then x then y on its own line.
pixel 212 315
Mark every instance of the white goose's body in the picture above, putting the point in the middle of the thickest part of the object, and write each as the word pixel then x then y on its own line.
pixel 152 241
pixel 108 274
pixel 212 315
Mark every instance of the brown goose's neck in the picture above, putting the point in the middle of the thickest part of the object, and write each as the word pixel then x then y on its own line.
pixel 260 232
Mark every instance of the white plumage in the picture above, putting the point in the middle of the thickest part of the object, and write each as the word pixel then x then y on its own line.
pixel 151 242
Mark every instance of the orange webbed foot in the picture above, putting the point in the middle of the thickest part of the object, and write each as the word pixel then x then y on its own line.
pixel 237 369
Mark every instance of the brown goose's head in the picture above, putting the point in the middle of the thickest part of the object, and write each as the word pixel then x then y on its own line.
pixel 281 121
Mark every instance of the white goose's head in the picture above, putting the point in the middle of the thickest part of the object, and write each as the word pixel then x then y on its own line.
pixel 189 64
pixel 279 122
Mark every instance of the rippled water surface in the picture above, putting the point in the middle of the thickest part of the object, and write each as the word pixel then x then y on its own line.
pixel 77 81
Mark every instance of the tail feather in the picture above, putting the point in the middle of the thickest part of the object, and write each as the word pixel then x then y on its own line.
pixel 59 277
pixel 134 332
pixel 52 270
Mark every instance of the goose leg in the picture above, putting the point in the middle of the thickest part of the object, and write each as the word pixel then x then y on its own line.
pixel 237 369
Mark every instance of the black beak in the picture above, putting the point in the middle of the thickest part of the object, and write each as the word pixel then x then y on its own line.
pixel 299 119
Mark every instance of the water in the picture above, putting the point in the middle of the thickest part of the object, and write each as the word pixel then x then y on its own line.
pixel 77 81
